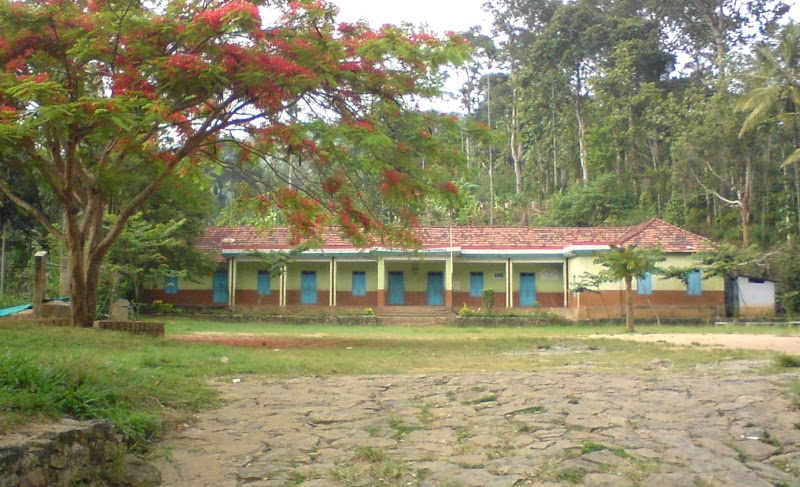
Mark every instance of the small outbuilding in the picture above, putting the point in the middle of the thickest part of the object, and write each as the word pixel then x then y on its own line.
pixel 749 297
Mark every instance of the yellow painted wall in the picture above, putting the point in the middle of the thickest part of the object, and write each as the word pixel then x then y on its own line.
pixel 461 276
pixel 295 269
pixel 415 273
pixel 247 277
pixel 344 275
pixel 198 284
pixel 579 265
pixel 549 277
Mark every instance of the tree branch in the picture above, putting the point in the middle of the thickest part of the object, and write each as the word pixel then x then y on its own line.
pixel 32 211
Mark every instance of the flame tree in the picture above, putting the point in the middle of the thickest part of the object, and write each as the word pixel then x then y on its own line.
pixel 104 101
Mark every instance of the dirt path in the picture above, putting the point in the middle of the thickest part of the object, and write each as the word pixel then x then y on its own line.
pixel 782 344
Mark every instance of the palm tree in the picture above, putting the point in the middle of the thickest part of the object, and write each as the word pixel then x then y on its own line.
pixel 625 264
pixel 775 95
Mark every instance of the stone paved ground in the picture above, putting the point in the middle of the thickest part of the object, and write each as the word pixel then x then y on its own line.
pixel 498 429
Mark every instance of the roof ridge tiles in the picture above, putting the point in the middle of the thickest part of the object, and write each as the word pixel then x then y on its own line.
pixel 650 232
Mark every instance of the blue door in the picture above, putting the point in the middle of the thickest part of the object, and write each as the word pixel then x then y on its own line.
pixel 527 289
pixel 476 284
pixel 308 287
pixel 435 288
pixel 220 287
pixel 397 291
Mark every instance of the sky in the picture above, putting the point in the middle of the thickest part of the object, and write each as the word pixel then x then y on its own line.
pixel 439 15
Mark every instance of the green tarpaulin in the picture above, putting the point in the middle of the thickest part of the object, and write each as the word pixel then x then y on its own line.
pixel 14 310
pixel 22 307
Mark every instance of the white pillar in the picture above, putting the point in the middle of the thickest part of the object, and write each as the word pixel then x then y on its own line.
pixel 508 283
pixel 381 281
pixel 332 283
pixel 230 283
pixel 448 281
pixel 283 281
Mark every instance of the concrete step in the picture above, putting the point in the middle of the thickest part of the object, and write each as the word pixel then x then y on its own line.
pixel 411 311
pixel 415 320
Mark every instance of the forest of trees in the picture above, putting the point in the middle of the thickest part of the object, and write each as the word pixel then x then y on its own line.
pixel 581 113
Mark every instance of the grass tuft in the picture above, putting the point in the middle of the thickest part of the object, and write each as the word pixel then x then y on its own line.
pixel 788 361
pixel 370 454
pixel 591 446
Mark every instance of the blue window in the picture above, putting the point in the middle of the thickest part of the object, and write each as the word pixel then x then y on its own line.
pixel 644 285
pixel 171 285
pixel 694 284
pixel 264 284
pixel 359 283
pixel 476 284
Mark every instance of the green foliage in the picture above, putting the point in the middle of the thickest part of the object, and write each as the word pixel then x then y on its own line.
pixel 160 307
pixel 591 446
pixel 488 300
pixel 370 454
pixel 788 274
pixel 626 264
pixel 148 251
pixel 629 262
pixel 730 261
pixel 77 389
pixel 605 200
pixel 788 361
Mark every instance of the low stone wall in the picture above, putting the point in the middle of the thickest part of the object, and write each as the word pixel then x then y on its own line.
pixel 516 320
pixel 284 319
pixel 71 453
pixel 136 327
pixel 694 314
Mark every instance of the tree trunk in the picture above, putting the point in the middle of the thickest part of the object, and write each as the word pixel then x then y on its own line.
pixel 3 262
pixel 744 200
pixel 491 149
pixel 79 291
pixel 87 246
pixel 628 303
pixel 581 116
pixel 516 142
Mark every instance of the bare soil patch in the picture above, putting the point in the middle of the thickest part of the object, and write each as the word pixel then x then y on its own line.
pixel 781 344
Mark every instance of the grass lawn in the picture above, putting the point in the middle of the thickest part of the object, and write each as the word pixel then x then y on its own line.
pixel 144 384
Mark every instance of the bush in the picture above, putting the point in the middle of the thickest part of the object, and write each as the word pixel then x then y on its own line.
pixel 788 361
pixel 488 300
pixel 160 307
pixel 75 389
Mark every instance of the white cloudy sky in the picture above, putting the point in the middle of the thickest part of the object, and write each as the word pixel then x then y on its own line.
pixel 439 15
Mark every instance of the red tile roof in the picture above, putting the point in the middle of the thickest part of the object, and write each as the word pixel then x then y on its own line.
pixel 652 232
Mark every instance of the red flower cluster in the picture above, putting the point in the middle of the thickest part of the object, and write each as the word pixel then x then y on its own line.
pixel 449 187
pixel 214 18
